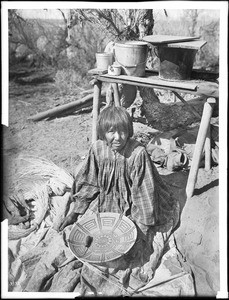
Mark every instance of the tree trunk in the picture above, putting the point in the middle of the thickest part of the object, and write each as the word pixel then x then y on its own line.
pixel 165 117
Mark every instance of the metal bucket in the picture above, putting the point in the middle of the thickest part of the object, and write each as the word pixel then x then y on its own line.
pixel 175 63
pixel 132 56
pixel 104 59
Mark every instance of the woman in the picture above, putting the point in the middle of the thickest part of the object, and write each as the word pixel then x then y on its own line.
pixel 119 176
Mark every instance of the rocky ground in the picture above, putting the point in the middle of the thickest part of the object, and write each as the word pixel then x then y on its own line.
pixel 66 139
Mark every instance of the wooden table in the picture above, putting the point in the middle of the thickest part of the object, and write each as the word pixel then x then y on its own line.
pixel 198 87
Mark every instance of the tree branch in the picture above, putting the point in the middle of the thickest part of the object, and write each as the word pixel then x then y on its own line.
pixel 102 15
pixel 63 15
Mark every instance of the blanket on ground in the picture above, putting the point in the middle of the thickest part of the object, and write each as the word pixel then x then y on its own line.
pixel 43 262
pixel 39 259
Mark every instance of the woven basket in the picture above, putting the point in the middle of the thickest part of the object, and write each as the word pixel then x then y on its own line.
pixel 102 237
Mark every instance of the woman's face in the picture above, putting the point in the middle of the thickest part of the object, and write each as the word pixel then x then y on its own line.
pixel 116 139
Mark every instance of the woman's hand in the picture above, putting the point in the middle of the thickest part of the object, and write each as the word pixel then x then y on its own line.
pixel 70 219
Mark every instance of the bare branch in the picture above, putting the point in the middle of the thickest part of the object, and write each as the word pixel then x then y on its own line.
pixel 102 15
pixel 165 12
pixel 63 15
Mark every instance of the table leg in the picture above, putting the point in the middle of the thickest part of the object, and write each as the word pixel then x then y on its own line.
pixel 116 94
pixel 201 137
pixel 207 150
pixel 96 108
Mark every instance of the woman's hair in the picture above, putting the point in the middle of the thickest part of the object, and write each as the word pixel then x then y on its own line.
pixel 115 117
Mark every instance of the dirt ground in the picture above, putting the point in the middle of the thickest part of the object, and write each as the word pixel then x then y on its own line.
pixel 66 139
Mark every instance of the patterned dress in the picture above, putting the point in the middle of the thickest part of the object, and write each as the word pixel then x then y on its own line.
pixel 123 182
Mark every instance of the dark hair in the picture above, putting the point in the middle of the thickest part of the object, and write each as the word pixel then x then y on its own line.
pixel 115 117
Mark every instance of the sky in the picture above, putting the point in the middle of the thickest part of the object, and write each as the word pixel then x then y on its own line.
pixel 41 13
pixel 55 14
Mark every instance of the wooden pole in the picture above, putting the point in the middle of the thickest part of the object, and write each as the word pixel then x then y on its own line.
pixel 202 133
pixel 116 94
pixel 189 107
pixel 96 108
pixel 207 150
pixel 84 102
pixel 207 89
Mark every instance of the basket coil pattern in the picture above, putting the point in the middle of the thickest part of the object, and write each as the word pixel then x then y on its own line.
pixel 112 236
